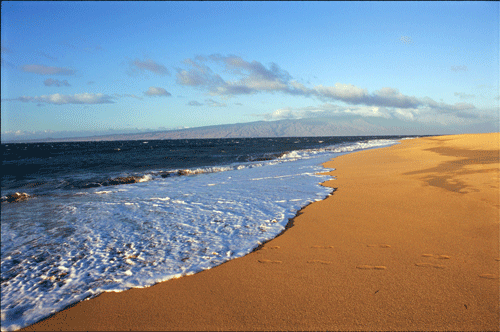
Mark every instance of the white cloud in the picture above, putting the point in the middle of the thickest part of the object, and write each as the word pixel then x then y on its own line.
pixel 58 99
pixel 213 103
pixel 325 110
pixel 51 82
pixel 199 75
pixel 283 114
pixel 299 89
pixel 462 95
pixel 405 113
pixel 370 111
pixel 45 70
pixel 344 92
pixel 259 84
pixel 151 66
pixel 255 76
pixel 156 91
pixel 462 106
pixel 394 98
pixel 405 40
pixel 453 114
pixel 459 68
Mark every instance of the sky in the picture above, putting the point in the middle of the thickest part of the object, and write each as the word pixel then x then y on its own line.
pixel 88 68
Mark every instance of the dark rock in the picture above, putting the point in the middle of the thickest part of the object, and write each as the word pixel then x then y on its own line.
pixel 91 185
pixel 121 180
pixel 267 157
pixel 16 197
pixel 262 159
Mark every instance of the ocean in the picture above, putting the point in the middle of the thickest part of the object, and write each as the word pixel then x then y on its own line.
pixel 109 216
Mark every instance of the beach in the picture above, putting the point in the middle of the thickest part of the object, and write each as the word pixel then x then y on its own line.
pixel 409 240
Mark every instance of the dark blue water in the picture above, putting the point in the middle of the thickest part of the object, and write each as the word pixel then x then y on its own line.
pixel 40 168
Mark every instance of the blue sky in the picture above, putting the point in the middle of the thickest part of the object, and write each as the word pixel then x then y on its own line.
pixel 99 67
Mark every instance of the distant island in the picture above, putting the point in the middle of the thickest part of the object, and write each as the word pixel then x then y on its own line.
pixel 320 126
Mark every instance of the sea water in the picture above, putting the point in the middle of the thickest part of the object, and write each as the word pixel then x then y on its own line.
pixel 109 216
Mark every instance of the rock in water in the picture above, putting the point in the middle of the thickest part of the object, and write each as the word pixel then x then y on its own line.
pixel 121 180
pixel 16 197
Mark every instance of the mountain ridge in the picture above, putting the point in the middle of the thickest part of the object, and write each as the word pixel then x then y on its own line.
pixel 307 127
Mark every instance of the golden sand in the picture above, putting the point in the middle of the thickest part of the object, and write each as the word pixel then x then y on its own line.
pixel 408 241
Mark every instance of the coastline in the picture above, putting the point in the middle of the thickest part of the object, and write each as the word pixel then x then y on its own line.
pixel 409 240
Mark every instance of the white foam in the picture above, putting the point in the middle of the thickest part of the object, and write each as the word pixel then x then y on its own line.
pixel 145 178
pixel 103 192
pixel 161 199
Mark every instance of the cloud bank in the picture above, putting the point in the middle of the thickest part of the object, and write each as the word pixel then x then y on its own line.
pixel 45 70
pixel 423 114
pixel 58 99
pixel 236 76
pixel 156 92
pixel 253 77
pixel 256 77
pixel 459 68
pixel 462 95
pixel 151 66
pixel 53 82
pixel 214 103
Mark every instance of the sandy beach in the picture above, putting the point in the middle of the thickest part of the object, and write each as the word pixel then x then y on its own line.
pixel 409 240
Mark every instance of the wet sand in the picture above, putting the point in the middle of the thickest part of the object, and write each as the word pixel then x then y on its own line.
pixel 408 241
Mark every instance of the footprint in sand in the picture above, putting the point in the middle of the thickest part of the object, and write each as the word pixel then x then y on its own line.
pixel 370 267
pixel 436 256
pixel 275 247
pixel 378 245
pixel 488 276
pixel 436 266
pixel 322 247
pixel 268 261
pixel 317 261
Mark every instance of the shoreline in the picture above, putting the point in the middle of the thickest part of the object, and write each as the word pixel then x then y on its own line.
pixel 339 267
